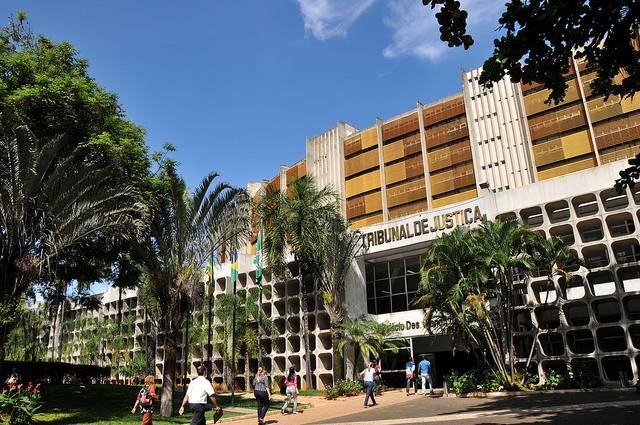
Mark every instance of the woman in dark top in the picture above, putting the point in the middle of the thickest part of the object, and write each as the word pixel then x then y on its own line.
pixel 262 393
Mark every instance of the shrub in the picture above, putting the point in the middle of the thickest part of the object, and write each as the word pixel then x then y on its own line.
pixel 473 380
pixel 343 388
pixel 20 403
pixel 579 377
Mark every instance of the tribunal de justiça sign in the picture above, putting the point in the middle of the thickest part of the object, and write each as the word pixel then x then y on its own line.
pixel 410 229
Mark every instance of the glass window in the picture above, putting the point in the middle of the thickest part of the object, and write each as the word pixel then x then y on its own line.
pixel 382 271
pixel 399 302
pixel 382 288
pixel 397 285
pixel 383 305
pixel 413 265
pixel 371 305
pixel 370 289
pixel 397 268
pixel 413 281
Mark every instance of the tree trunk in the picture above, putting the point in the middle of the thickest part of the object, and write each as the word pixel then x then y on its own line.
pixel 338 359
pixel 169 372
pixel 305 329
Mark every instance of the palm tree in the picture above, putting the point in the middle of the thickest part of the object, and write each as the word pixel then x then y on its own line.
pixel 52 197
pixel 183 231
pixel 359 335
pixel 296 221
pixel 504 246
pixel 346 246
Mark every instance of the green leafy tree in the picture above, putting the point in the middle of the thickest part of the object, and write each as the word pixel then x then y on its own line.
pixel 48 87
pixel 296 223
pixel 542 37
pixel 358 335
pixel 183 231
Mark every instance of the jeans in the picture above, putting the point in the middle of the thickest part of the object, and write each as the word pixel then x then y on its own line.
pixel 426 378
pixel 376 384
pixel 368 386
pixel 291 391
pixel 263 403
pixel 414 382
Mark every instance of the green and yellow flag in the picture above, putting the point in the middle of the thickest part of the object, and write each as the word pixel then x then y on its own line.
pixel 257 260
pixel 209 272
pixel 234 260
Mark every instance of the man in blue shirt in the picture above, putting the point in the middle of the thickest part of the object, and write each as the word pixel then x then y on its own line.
pixel 424 369
pixel 411 376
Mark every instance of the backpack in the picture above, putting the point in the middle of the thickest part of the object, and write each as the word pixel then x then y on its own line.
pixel 145 397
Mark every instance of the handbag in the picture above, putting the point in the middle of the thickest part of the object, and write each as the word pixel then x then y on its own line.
pixel 283 389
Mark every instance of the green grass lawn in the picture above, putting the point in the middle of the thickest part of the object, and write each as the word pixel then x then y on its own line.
pixel 111 405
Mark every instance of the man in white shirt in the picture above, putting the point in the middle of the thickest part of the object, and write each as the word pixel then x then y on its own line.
pixel 196 396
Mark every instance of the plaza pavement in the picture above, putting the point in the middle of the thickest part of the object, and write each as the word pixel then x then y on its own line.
pixel 606 406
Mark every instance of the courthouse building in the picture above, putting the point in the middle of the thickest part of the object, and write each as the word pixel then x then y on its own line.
pixel 475 155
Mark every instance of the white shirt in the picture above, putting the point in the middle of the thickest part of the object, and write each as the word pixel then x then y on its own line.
pixel 198 390
pixel 368 374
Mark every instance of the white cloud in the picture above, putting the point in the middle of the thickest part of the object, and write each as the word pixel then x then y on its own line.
pixel 415 29
pixel 331 18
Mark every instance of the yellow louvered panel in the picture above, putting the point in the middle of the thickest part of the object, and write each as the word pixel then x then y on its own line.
pixel 369 138
pixel 443 111
pixel 534 102
pixel 362 184
pixel 356 207
pixel 576 144
pixel 373 202
pixel 600 110
pixel 361 162
pixel 414 167
pixel 366 222
pixel 460 152
pixel 406 210
pixel 581 165
pixel 395 173
pixel 400 126
pixel 463 176
pixel 619 155
pixel 457 129
pixel 548 152
pixel 442 182
pixel 617 131
pixel 629 105
pixel 352 145
pixel 436 136
pixel 454 199
pixel 570 118
pixel 439 159
pixel 405 193
pixel 394 151
pixel 552 173
pixel 561 170
pixel 412 144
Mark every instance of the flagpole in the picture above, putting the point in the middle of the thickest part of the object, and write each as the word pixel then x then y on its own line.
pixel 209 348
pixel 233 332
pixel 259 282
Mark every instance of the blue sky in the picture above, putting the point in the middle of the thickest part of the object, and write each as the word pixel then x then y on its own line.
pixel 237 86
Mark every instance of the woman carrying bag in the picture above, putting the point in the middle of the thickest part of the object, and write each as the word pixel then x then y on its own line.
pixel 145 400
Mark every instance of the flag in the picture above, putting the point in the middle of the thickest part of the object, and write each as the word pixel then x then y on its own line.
pixel 209 272
pixel 257 260
pixel 234 260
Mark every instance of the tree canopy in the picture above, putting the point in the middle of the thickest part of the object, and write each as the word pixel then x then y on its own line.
pixel 542 37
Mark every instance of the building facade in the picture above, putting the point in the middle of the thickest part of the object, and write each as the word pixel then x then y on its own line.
pixel 475 155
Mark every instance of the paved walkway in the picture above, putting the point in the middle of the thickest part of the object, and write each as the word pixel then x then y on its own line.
pixel 602 406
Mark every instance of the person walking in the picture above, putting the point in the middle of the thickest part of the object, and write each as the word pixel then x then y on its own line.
pixel 411 376
pixel 368 375
pixel 196 396
pixel 291 383
pixel 145 399
pixel 377 379
pixel 262 393
pixel 424 369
